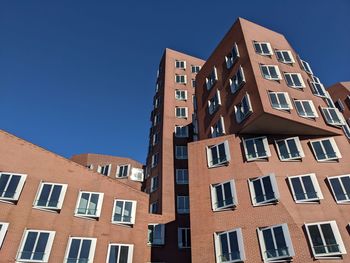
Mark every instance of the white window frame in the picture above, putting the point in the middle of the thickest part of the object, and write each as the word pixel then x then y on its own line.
pixel 269 77
pixel 102 169
pixel 291 78
pixel 316 186
pixel 181 94
pixel 336 234
pixel 220 162
pixel 48 246
pixel 214 103
pixel 339 105
pixel 137 174
pixel 235 84
pixel 218 247
pixel 156 102
pixel 287 240
pixel 181 152
pixel 326 111
pixel 312 106
pixel 153 206
pixel 214 197
pixel 180 64
pixel 266 148
pixel 91 250
pixel 274 186
pixel 215 130
pixel 306 66
pixel 343 188
pixel 184 200
pixel 181 175
pixel 122 167
pixel 268 45
pixel 318 89
pixel 181 131
pixel 298 145
pixel 180 79
pixel 3 230
pixel 240 115
pixel 282 58
pixel 19 187
pixel 98 206
pixel 195 69
pixel 187 237
pixel 160 240
pixel 231 58
pixel 280 106
pixel 155 160
pixel 335 148
pixel 155 140
pixel 211 79
pixel 132 215
pixel 130 252
pixel 181 116
pixel 154 183
pixel 60 200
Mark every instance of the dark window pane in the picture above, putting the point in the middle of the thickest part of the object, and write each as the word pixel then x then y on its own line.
pixel 235 253
pixel 12 186
pixel 337 189
pixel 85 249
pixel 329 238
pixel 293 149
pixel 74 249
pixel 259 196
pixel 28 247
pixel 283 149
pixel 346 184
pixel 269 244
pixel 44 195
pixel 40 246
pixel 3 182
pixel 309 187
pixel 298 189
pixel 268 188
pixel 124 250
pixel 55 195
pixel 228 194
pixel 113 254
pixel 316 239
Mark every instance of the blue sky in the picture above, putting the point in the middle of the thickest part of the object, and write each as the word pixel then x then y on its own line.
pixel 79 76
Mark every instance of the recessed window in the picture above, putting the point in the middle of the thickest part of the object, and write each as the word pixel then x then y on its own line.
pixel 50 196
pixel 156 119
pixel 156 102
pixel 238 80
pixel 182 176
pixel 243 109
pixel 123 170
pixel 104 169
pixel 184 237
pixel 285 56
pixel 280 100
pixel 325 239
pixel 332 116
pixel 289 149
pixel 218 155
pixel 325 150
pixel 306 108
pixel 180 64
pixel 346 130
pixel 3 230
pixel 154 183
pixel 80 249
pixel 294 80
pixel 181 112
pixel 223 195
pixel 305 188
pixel 136 174
pixel 229 246
pixel 35 246
pixel 181 79
pixel 181 152
pixel 153 208
pixel 306 67
pixel 195 69
pixel 256 148
pixel 124 212
pixel 275 243
pixel 193 83
pixel 340 186
pixel 318 89
pixel 271 72
pixel 181 94
pixel 155 140
pixel 219 128
pixel 181 131
pixel 11 186
pixel 263 48
pixel 155 160
pixel 232 57
pixel 339 104
pixel 214 102
pixel 89 204
pixel 119 253
pixel 211 79
pixel 156 233
pixel 183 204
pixel 264 190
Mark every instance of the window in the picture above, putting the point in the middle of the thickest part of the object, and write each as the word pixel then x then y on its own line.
pixel 219 128
pixel 181 94
pixel 155 159
pixel 50 196
pixel 181 112
pixel 211 79
pixel 223 195
pixel 238 80
pixel 294 80
pixel 194 102
pixel 263 48
pixel 346 130
pixel 181 79
pixel 232 57
pixel 325 150
pixel 332 116
pixel 155 139
pixel 280 101
pixel 3 229
pixel 214 102
pixel 124 212
pixel 195 69
pixel 156 120
pixel 157 87
pixel 89 204
pixel 340 186
pixel 156 102
pixel 180 64
pixel 270 72
pixel 339 104
pixel 120 253
pixel 80 249
pixel 35 246
pixel 184 237
pixel 154 183
pixel 182 176
pixel 183 204
pixel 318 89
pixel 181 131
pixel 306 108
pixel 181 152
pixel 329 101
pixel 11 186
pixel 289 149
pixel 256 148
pixel 153 208
pixel 305 188
pixel 275 243
pixel 136 174
pixel 104 169
pixel 123 170
pixel 263 190
pixel 285 56
pixel 156 234
pixel 218 155
pixel 243 109
pixel 229 246
pixel 325 239
pixel 306 67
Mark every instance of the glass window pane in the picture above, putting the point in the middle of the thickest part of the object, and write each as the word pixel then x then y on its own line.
pixel 259 196
pixel 269 244
pixel 329 238
pixel 85 250
pixel 83 204
pixel 283 149
pixel 74 250
pixel 316 239
pixel 44 195
pixel 93 204
pixel 55 196
pixel 268 188
pixel 3 182
pixel 124 251
pixel 40 246
pixel 282 249
pixel 329 149
pixel 10 191
pixel 337 189
pixel 113 254
pixel 309 187
pixel 298 189
pixel 293 149
pixel 28 248
pixel 228 194
pixel 346 184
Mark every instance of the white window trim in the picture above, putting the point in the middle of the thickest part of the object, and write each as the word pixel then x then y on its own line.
pixel 181 82
pixel 315 91
pixel 268 46
pixel 3 231
pixel 237 107
pixel 137 174
pixel 182 199
pixel 181 136
pixel 299 77
pixel 284 61
pixel 180 61
pixel 61 198
pixel 217 244
pixel 178 181
pixel 179 97
pixel 239 71
pixel 91 251
pixel 153 161
pixel 279 75
pixel 347 201
pixel 214 196
pixel 309 70
pixel 274 188
pixel 130 251
pixel 335 148
pixel 266 147
pixel 18 189
pixel 180 116
pixel 213 128
pixel 98 207
pixel 118 170
pixel 179 237
pixel 229 58
pixel 286 96
pixel 209 82
pixel 101 167
pixel 210 158
pixel 154 187
pixel 160 241
pixel 338 113
pixel 133 212
pixel 155 141
pixel 299 147
pixel 211 110
pixel 315 185
pixel 312 106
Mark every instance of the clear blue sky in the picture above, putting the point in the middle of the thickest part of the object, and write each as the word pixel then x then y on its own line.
pixel 78 76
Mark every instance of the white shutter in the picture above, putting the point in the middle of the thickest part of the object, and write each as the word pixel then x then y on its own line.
pixel 217 247
pixel 19 186
pixel 209 156
pixel 274 185
pixel 261 242
pixel 291 56
pixel 215 74
pixel 133 212
pixel 249 103
pixel 301 80
pixel 218 96
pixel 316 185
pixel 99 204
pixel 335 147
pixel 288 240
pixel 62 195
pixel 227 151
pixel 242 73
pixel 213 197
pixel 222 124
pixel 338 237
pixel 269 47
pixel 278 72
pixel 313 108
pixel 300 148
pixel 289 102
pixel 266 146
pixel 236 49
pixel 92 249
pixel 240 243
pixel 233 191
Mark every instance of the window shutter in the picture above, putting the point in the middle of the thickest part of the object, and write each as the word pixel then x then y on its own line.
pixel 274 185
pixel 316 185
pixel 235 46
pixel 234 193
pixel 227 151
pixel 218 96
pixel 133 212
pixel 278 72
pixel 288 240
pixel 300 148
pixel 99 204
pixel 222 124
pixel 270 48
pixel 215 74
pixel 213 197
pixel 338 237
pixel 20 186
pixel 249 103
pixel 335 147
pixel 217 247
pixel 62 195
pixel 242 73
pixel 289 102
pixel 266 146
pixel 313 108
pixel 209 157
